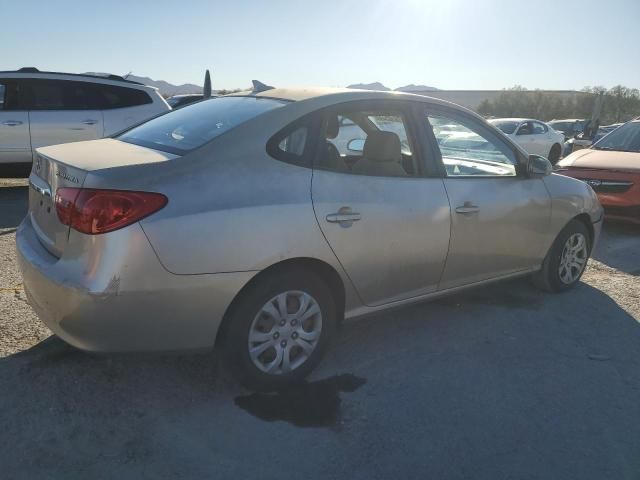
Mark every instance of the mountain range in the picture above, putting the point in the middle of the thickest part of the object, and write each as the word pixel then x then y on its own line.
pixel 379 86
pixel 168 89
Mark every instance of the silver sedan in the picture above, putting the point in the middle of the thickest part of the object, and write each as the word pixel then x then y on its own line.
pixel 257 222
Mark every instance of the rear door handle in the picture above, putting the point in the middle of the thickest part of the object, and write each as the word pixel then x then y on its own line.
pixel 467 209
pixel 345 217
pixel 12 123
pixel 89 122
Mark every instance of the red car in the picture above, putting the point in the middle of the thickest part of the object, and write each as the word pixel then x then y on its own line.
pixel 612 167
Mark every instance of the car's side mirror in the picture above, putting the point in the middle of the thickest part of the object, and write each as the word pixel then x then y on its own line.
pixel 538 166
pixel 356 145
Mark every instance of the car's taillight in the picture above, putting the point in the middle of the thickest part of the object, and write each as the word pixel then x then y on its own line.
pixel 95 211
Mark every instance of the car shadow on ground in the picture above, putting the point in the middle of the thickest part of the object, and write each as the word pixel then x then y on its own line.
pixel 14 202
pixel 499 382
pixel 619 247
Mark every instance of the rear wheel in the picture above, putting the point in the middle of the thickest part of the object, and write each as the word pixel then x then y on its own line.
pixel 279 329
pixel 554 154
pixel 567 259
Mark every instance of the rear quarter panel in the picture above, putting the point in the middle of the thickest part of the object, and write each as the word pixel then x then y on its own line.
pixel 234 208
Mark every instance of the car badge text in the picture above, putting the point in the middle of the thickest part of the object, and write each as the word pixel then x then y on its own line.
pixel 67 177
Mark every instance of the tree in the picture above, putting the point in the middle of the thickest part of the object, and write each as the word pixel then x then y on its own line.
pixel 620 104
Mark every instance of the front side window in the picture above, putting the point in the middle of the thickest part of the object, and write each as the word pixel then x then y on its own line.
pixel 623 139
pixel 3 92
pixel 366 142
pixel 188 128
pixel 469 150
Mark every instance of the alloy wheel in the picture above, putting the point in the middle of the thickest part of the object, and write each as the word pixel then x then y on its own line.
pixel 285 332
pixel 574 258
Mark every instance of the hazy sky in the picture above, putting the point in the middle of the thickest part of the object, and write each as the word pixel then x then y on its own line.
pixel 449 44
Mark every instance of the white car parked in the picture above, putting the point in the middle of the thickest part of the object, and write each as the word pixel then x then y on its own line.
pixel 38 109
pixel 536 137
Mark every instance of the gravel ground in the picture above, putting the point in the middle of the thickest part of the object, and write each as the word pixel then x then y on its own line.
pixel 500 382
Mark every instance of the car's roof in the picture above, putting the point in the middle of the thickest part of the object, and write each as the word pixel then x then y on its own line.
pixel 567 120
pixel 185 95
pixel 513 120
pixel 108 79
pixel 343 94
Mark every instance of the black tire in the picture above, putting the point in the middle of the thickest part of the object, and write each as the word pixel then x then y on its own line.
pixel 554 154
pixel 548 278
pixel 245 309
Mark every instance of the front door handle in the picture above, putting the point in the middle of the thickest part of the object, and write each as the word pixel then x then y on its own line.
pixel 12 123
pixel 345 217
pixel 89 122
pixel 467 209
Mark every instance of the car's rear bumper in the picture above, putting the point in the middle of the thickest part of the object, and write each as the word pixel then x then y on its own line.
pixel 121 298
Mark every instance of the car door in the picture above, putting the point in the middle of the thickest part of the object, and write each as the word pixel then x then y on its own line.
pixel 15 141
pixel 541 139
pixel 500 217
pixel 63 111
pixel 385 219
pixel 524 137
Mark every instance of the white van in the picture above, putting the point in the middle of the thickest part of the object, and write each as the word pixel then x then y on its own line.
pixel 38 109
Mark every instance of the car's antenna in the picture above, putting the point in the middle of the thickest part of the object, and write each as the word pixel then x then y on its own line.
pixel 260 87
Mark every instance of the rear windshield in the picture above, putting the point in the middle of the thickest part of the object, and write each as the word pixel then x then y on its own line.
pixel 190 127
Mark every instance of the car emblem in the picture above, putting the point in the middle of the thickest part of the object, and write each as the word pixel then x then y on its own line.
pixel 594 183
pixel 65 176
pixel 38 163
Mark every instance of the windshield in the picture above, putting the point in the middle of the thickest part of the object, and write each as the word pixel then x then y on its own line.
pixel 506 127
pixel 561 126
pixel 194 125
pixel 624 139
pixel 173 101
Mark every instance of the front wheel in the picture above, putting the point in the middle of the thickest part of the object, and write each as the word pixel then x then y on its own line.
pixel 554 154
pixel 279 329
pixel 567 259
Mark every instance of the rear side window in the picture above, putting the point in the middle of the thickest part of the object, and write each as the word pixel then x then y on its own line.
pixel 112 96
pixel 3 92
pixel 45 94
pixel 539 128
pixel 190 127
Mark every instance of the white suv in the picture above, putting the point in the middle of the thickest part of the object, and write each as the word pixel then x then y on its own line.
pixel 45 108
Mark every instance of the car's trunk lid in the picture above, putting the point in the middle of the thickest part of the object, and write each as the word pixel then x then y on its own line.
pixel 69 165
pixel 47 176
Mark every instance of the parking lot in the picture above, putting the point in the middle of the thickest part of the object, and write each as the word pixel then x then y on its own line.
pixel 501 382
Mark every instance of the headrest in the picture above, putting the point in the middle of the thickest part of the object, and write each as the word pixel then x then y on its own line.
pixel 382 147
pixel 332 127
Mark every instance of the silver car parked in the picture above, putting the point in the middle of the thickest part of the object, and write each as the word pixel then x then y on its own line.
pixel 258 221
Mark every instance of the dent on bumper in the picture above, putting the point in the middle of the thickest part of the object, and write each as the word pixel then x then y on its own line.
pixel 114 304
